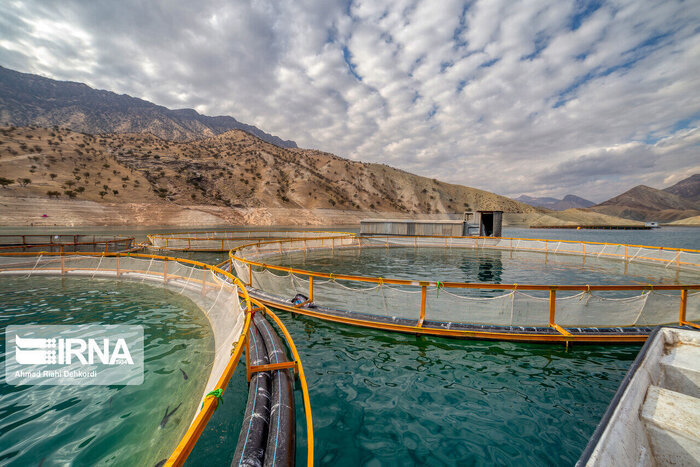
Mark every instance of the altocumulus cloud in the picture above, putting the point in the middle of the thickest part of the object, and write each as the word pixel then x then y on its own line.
pixel 543 97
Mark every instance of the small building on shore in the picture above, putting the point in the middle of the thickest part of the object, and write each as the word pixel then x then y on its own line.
pixel 473 223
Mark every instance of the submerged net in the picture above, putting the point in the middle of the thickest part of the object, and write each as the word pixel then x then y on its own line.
pixel 509 305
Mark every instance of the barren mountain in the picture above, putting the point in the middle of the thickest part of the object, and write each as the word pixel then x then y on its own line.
pixel 644 203
pixel 688 188
pixel 232 173
pixel 27 99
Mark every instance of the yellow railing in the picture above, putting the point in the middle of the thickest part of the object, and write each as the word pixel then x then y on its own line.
pixel 188 441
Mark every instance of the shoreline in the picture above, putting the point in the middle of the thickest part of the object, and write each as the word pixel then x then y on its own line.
pixel 59 213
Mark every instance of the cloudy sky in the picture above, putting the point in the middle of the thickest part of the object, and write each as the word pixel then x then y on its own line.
pixel 540 97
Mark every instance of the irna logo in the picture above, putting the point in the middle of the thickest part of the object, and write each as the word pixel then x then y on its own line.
pixel 74 355
pixel 37 351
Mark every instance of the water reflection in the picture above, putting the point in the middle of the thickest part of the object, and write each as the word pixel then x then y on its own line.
pixel 484 267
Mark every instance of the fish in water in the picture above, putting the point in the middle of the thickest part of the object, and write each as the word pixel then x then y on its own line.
pixel 161 463
pixel 110 402
pixel 167 415
pixel 184 375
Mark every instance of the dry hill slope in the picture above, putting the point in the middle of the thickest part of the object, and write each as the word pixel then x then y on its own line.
pixel 688 188
pixel 113 179
pixel 644 203
pixel 233 176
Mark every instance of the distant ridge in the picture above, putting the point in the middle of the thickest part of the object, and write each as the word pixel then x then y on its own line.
pixel 688 188
pixel 645 203
pixel 27 99
pixel 569 202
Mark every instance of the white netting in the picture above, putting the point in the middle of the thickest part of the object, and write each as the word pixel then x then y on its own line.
pixel 217 298
pixel 222 241
pixel 583 308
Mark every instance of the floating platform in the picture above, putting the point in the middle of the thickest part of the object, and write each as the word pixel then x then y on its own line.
pixel 654 418
pixel 595 227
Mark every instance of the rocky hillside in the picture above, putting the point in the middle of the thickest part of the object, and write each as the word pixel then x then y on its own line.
pixel 644 203
pixel 688 188
pixel 27 99
pixel 234 170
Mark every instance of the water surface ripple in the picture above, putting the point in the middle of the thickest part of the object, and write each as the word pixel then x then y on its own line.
pixel 104 425
pixel 382 398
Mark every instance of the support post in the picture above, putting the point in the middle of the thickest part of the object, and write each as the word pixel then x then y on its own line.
pixel 118 273
pixel 63 262
pixel 165 271
pixel 250 275
pixel 204 281
pixel 552 305
pixel 684 306
pixel 423 297
pixel 311 288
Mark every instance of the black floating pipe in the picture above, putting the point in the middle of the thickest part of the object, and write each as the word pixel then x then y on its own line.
pixel 250 449
pixel 281 440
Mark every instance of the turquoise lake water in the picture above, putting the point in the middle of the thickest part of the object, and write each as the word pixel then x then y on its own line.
pixel 382 398
pixel 104 425
pixel 481 266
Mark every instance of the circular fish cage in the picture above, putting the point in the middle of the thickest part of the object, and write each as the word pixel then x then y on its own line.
pixel 66 243
pixel 235 319
pixel 528 311
pixel 226 240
